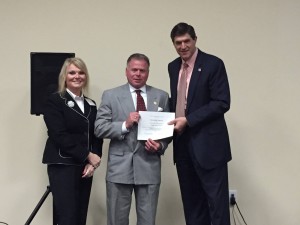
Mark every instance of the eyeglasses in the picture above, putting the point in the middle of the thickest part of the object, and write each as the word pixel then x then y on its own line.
pixel 72 72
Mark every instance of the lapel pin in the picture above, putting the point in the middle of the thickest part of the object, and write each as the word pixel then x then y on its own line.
pixel 71 104
pixel 199 69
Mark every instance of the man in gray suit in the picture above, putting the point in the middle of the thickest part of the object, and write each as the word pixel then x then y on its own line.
pixel 132 165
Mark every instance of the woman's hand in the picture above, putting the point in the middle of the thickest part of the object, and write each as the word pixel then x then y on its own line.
pixel 88 171
pixel 94 160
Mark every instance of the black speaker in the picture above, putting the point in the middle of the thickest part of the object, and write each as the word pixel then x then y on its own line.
pixel 45 68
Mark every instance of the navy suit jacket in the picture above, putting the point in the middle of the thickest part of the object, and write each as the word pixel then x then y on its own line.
pixel 70 131
pixel 208 100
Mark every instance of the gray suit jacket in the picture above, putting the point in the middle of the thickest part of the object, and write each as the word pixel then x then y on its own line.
pixel 128 160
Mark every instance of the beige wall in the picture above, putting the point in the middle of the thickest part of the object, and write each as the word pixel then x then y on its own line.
pixel 259 43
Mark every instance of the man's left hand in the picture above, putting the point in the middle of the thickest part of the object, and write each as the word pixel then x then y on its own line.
pixel 152 146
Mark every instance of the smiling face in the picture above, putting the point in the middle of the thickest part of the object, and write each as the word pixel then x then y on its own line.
pixel 137 72
pixel 185 46
pixel 75 79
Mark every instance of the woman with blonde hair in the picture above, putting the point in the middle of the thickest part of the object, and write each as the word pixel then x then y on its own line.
pixel 72 152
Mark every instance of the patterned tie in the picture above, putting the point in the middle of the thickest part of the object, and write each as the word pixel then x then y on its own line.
pixel 140 104
pixel 181 93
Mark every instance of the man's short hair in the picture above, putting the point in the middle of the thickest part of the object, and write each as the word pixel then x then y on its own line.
pixel 182 29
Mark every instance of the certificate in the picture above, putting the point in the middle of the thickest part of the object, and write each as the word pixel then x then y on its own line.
pixel 154 125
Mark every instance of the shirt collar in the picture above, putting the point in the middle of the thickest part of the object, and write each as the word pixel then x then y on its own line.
pixel 73 95
pixel 132 89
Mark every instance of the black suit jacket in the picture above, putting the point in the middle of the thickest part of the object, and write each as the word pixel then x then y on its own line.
pixel 70 131
pixel 208 100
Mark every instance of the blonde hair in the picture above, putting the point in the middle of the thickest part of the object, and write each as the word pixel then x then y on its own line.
pixel 79 63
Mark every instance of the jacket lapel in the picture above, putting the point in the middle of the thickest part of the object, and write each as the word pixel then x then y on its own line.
pixel 70 102
pixel 175 74
pixel 194 78
pixel 152 101
pixel 87 108
pixel 125 100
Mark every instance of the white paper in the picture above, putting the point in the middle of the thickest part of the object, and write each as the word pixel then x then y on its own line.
pixel 154 125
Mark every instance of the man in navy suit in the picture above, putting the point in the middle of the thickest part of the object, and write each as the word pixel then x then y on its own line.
pixel 201 141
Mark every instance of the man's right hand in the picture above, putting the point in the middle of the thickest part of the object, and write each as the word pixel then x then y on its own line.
pixel 133 118
pixel 180 124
